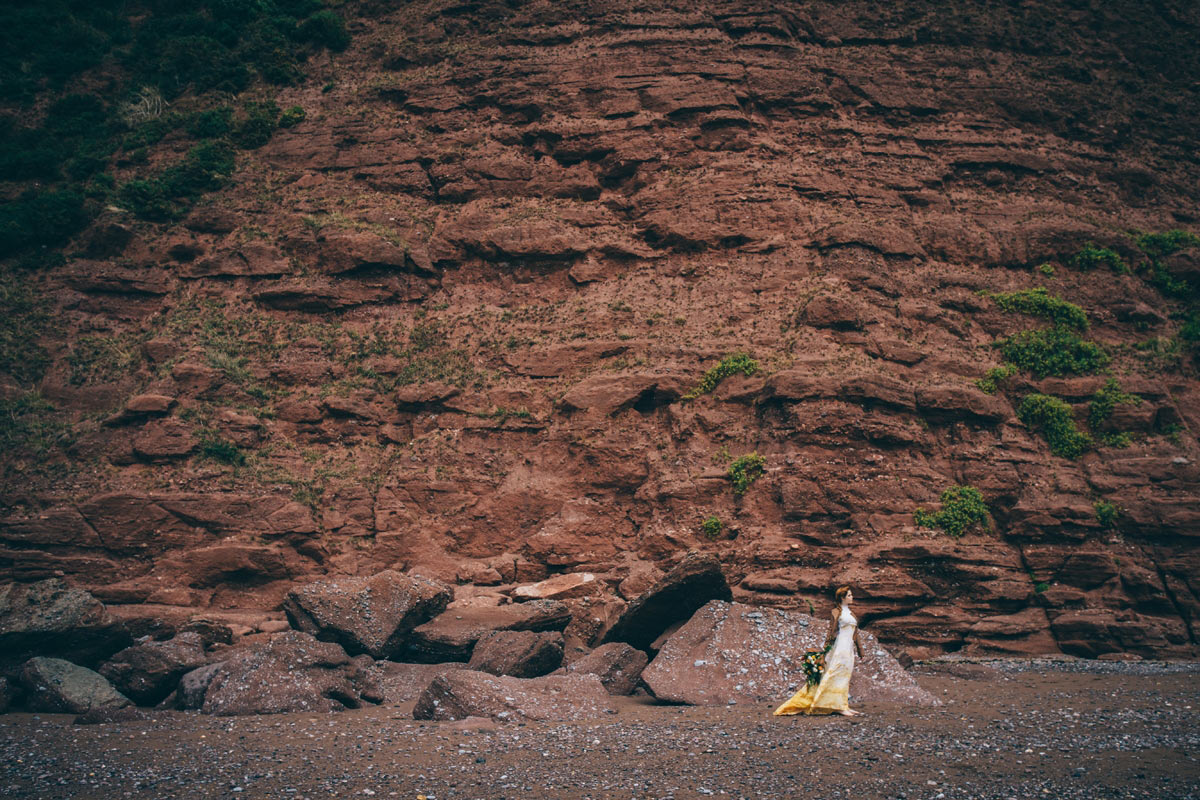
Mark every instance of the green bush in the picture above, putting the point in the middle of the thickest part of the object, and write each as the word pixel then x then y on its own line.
pixel 325 28
pixel 1106 513
pixel 1053 351
pixel 256 127
pixel 962 508
pixel 165 197
pixel 1055 420
pixel 292 116
pixel 214 448
pixel 730 365
pixel 210 124
pixel 1040 303
pixel 40 218
pixel 1105 400
pixel 990 382
pixel 1160 245
pixel 1092 257
pixel 745 470
pixel 712 527
pixel 1046 269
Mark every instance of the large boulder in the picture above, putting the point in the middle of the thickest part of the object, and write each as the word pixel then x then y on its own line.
pixel 459 694
pixel 366 615
pixel 693 582
pixel 146 673
pixel 48 619
pixel 616 664
pixel 58 686
pixel 520 654
pixel 292 671
pixel 735 653
pixel 451 636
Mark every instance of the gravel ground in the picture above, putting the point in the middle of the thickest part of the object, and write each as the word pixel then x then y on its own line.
pixel 1006 730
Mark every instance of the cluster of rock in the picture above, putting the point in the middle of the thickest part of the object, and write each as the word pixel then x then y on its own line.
pixel 397 638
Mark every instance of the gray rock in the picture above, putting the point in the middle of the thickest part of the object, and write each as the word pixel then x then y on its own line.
pixel 59 686
pixel 366 615
pixel 194 685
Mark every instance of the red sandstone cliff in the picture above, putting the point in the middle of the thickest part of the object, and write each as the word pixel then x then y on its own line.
pixel 447 320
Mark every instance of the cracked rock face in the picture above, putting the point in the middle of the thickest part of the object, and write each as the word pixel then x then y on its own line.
pixel 508 271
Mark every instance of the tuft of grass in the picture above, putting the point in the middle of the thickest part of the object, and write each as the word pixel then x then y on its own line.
pixel 1054 419
pixel 1053 351
pixel 990 383
pixel 1046 269
pixel 1040 303
pixel 1106 513
pixel 1161 245
pixel 1107 398
pixel 712 527
pixel 214 448
pixel 730 365
pixel 963 507
pixel 745 470
pixel 103 359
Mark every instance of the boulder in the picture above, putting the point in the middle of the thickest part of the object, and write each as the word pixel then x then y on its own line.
pixel 520 654
pixel 47 618
pixel 58 686
pixel 734 653
pixel 194 685
pixel 451 636
pixel 146 673
pixel 290 672
pixel 559 587
pixel 366 615
pixel 459 694
pixel 616 664
pixel 693 582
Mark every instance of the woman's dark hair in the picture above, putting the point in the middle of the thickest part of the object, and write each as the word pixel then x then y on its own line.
pixel 841 592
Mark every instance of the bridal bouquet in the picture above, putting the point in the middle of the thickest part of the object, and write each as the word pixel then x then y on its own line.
pixel 813 664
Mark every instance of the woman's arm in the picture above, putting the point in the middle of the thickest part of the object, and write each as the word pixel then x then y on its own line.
pixel 857 646
pixel 833 626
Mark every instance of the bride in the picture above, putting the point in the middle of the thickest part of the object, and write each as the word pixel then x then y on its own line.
pixel 832 694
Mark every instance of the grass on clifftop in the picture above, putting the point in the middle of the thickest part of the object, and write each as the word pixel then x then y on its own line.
pixel 1054 419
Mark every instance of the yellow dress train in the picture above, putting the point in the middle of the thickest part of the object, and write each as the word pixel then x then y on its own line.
pixel 832 694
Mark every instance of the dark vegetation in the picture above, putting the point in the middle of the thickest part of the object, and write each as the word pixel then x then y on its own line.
pixel 147 56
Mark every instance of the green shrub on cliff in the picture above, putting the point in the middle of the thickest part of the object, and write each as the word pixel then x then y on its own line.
pixel 745 470
pixel 1106 513
pixel 1040 303
pixel 730 365
pixel 963 507
pixel 1092 257
pixel 1053 351
pixel 712 527
pixel 1054 419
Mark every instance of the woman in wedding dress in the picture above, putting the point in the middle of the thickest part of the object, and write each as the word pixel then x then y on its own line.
pixel 831 695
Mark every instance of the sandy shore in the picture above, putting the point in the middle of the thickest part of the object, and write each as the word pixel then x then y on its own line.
pixel 1023 730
